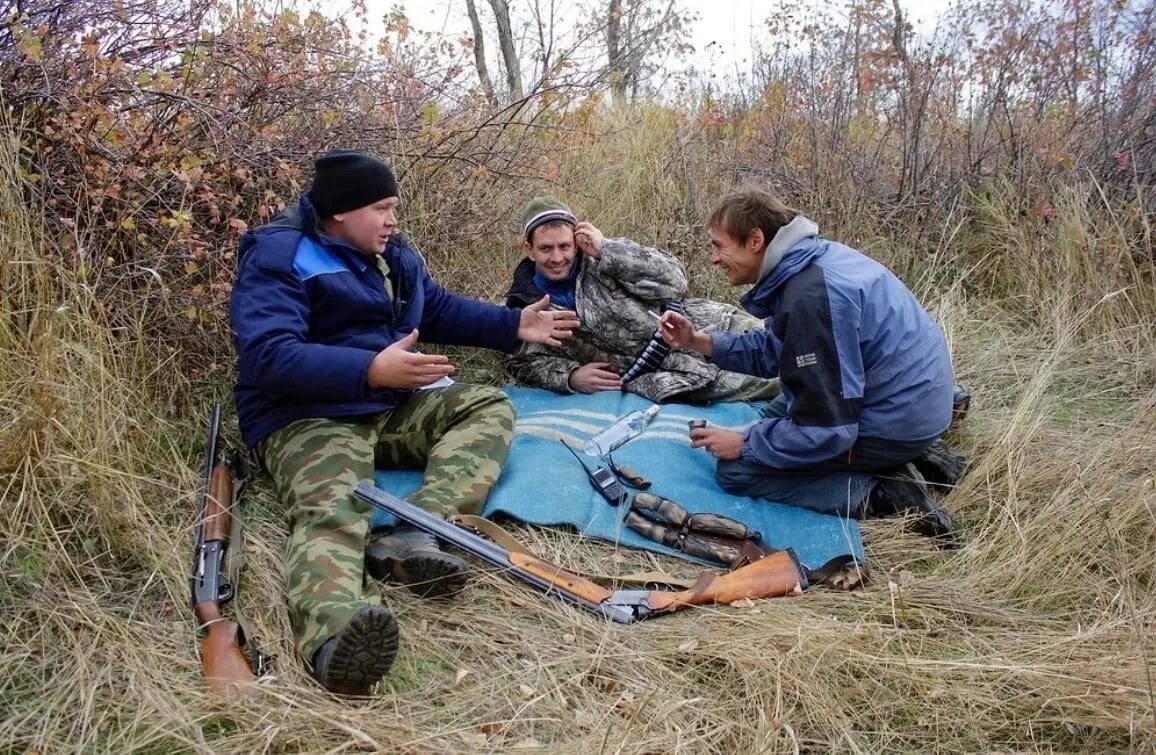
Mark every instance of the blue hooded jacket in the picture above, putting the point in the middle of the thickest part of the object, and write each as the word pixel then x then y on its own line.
pixel 309 314
pixel 855 351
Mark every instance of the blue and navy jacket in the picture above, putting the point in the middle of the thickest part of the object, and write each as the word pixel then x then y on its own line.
pixel 856 354
pixel 309 314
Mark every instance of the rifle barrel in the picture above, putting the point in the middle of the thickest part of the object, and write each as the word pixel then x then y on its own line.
pixel 225 667
pixel 543 575
pixel 211 446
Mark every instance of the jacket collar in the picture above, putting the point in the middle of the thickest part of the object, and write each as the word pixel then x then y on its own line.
pixel 526 288
pixel 522 289
pixel 306 218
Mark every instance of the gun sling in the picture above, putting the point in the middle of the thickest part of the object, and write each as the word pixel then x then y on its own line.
pixel 776 574
pixel 831 574
pixel 502 537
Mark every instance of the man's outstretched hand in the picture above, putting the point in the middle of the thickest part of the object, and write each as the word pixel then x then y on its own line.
pixel 594 377
pixel 396 366
pixel 548 326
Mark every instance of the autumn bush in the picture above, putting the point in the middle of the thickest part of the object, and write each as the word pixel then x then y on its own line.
pixel 156 131
pixel 1003 166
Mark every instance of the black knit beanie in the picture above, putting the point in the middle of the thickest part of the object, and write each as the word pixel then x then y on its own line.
pixel 345 180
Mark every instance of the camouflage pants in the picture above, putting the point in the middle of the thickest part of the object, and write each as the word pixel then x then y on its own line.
pixel 733 386
pixel 460 434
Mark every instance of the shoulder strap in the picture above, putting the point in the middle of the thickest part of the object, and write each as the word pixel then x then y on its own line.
pixel 841 572
pixel 502 537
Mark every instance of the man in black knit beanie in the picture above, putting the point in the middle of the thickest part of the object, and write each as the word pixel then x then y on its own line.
pixel 329 305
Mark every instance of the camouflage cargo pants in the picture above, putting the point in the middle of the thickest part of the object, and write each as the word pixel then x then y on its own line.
pixel 460 434
pixel 735 386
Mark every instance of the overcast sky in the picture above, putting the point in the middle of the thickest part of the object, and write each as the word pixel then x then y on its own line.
pixel 722 35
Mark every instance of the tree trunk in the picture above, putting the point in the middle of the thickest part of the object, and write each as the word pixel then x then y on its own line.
pixel 509 54
pixel 545 36
pixel 480 54
pixel 616 66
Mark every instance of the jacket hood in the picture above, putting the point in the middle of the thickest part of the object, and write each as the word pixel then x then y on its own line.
pixel 300 218
pixel 795 246
pixel 786 237
pixel 523 291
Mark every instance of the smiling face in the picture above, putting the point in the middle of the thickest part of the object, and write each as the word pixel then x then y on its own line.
pixel 739 260
pixel 551 249
pixel 367 228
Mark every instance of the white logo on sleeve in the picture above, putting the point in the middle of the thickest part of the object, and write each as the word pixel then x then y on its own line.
pixel 806 360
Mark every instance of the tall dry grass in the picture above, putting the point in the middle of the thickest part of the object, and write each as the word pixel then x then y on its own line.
pixel 1036 636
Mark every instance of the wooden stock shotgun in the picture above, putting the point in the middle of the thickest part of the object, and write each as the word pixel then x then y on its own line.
pixel 226 668
pixel 778 573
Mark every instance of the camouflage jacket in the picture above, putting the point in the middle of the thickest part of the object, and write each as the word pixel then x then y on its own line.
pixel 613 296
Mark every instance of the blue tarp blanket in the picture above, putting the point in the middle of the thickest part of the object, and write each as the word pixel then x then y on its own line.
pixel 544 484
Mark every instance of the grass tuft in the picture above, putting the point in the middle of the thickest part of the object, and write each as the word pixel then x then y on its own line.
pixel 1036 635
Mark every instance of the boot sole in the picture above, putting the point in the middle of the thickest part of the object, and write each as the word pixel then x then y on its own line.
pixel 430 576
pixel 365 651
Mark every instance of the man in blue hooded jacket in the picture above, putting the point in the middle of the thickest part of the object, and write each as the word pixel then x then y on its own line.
pixel 328 306
pixel 867 386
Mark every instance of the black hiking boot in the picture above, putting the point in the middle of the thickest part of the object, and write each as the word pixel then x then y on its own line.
pixel 359 655
pixel 412 557
pixel 905 490
pixel 940 465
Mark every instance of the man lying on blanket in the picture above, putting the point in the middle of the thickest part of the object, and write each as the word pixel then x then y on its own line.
pixel 618 288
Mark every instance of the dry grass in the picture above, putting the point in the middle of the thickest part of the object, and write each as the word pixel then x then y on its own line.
pixel 1036 636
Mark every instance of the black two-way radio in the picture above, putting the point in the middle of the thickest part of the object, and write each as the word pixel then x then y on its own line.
pixel 602 479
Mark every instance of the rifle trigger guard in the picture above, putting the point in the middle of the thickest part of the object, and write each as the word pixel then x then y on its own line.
pixel 224 592
pixel 634 601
